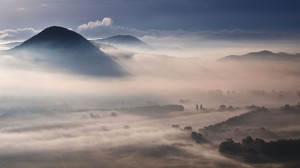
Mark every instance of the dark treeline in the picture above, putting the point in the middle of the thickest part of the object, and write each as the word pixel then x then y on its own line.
pixel 199 138
pixel 47 109
pixel 153 108
pixel 245 119
pixel 259 151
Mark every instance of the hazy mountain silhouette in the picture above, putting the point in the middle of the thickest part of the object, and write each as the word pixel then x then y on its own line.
pixel 64 49
pixel 125 40
pixel 262 56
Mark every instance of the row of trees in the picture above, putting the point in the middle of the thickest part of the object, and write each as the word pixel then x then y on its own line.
pixel 257 150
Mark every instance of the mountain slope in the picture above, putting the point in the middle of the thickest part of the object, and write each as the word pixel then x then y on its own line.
pixel 262 56
pixel 60 48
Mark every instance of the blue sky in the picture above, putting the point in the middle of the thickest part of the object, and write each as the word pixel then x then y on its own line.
pixel 163 15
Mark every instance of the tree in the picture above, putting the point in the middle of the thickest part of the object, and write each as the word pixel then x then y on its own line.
pixel 230 147
pixel 222 107
pixel 198 137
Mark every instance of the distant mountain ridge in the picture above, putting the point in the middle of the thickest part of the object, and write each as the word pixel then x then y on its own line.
pixel 126 40
pixel 264 55
pixel 61 48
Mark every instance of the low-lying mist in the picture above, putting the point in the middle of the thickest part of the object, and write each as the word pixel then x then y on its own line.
pixel 79 139
pixel 158 78
pixel 52 118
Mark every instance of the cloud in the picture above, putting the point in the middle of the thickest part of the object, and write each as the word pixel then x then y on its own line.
pixel 106 28
pixel 5 35
pixel 17 34
pixel 238 34
pixel 231 35
pixel 105 22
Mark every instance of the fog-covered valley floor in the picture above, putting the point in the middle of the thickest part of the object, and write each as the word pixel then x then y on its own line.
pixel 62 136
pixel 55 111
pixel 149 84
pixel 77 139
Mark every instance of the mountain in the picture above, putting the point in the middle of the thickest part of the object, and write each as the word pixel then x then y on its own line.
pixel 262 56
pixel 125 40
pixel 60 48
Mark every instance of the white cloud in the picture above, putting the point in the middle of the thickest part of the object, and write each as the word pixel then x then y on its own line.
pixel 17 34
pixel 5 35
pixel 105 28
pixel 105 22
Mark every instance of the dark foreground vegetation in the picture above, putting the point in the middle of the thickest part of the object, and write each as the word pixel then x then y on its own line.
pixel 198 137
pixel 258 151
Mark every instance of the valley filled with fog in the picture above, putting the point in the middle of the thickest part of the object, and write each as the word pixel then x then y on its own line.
pixel 149 84
pixel 61 138
pixel 64 136
pixel 157 78
pixel 129 106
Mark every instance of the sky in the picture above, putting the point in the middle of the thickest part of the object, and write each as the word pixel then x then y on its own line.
pixel 49 111
pixel 273 19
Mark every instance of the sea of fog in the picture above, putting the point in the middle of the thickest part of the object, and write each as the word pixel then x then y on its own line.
pixel 62 139
pixel 36 133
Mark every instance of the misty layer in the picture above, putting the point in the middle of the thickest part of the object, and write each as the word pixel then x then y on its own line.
pixel 72 139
